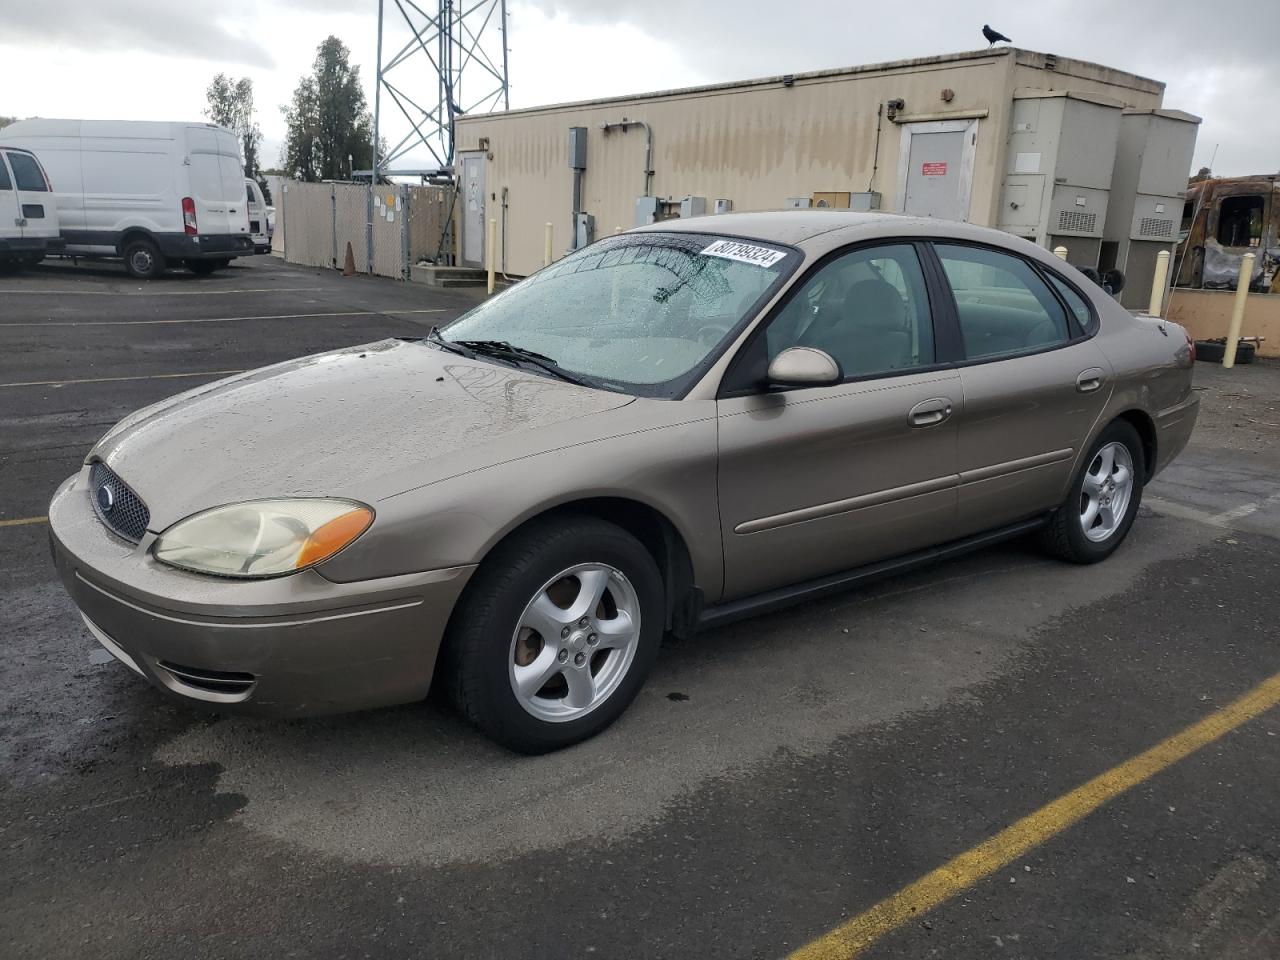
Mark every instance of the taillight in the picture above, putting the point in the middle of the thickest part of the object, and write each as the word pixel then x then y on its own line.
pixel 189 216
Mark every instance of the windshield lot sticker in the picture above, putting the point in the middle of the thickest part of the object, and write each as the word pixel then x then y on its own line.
pixel 744 253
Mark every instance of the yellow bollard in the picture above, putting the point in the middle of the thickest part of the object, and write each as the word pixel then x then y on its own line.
pixel 1060 252
pixel 493 242
pixel 1157 284
pixel 546 246
pixel 1237 310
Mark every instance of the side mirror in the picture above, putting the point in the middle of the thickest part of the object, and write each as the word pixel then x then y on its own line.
pixel 804 367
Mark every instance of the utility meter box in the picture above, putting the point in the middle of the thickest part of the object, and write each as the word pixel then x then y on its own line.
pixel 868 200
pixel 646 210
pixel 577 148
pixel 584 230
pixel 796 203
pixel 836 199
pixel 692 207
pixel 724 206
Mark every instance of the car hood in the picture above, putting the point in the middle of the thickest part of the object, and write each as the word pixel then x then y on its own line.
pixel 365 423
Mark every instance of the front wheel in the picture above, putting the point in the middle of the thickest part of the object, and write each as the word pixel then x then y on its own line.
pixel 555 635
pixel 1103 501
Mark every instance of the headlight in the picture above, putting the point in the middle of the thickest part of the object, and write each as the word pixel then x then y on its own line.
pixel 262 538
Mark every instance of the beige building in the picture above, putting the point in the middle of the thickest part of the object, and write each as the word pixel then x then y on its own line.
pixel 1004 137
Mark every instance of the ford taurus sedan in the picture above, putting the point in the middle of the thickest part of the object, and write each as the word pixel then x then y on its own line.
pixel 668 429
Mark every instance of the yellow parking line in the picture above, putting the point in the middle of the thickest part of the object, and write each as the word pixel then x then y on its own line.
pixel 153 376
pixel 23 521
pixel 856 935
pixel 279 316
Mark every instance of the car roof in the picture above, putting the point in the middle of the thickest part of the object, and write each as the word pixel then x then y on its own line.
pixel 840 227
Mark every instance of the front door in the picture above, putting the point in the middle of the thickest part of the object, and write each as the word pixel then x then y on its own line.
pixel 937 168
pixel 473 209
pixel 821 479
pixel 1033 388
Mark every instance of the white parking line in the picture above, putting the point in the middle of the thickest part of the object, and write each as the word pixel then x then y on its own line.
pixel 1224 519
pixel 279 316
pixel 154 293
pixel 152 376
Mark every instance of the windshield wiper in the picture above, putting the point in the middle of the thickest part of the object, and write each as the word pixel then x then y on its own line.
pixel 434 336
pixel 502 350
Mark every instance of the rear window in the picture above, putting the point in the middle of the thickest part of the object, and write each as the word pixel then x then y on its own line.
pixel 26 172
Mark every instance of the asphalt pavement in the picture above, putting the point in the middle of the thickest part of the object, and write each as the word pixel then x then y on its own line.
pixel 774 780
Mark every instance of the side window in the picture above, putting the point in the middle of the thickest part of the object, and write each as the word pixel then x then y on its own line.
pixel 5 182
pixel 26 172
pixel 868 309
pixel 1075 303
pixel 1239 221
pixel 248 190
pixel 1003 306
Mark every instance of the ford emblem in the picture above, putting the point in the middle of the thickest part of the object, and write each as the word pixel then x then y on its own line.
pixel 106 498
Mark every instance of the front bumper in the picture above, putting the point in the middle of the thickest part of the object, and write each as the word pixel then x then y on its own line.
pixel 293 646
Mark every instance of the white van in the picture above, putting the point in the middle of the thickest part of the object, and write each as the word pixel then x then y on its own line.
pixel 156 194
pixel 261 226
pixel 28 212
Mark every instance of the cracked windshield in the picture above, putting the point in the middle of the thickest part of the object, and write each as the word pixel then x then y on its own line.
pixel 641 313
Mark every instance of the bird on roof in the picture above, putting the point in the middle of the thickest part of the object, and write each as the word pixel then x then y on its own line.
pixel 993 36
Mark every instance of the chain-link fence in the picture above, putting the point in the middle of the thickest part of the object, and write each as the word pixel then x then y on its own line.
pixel 316 223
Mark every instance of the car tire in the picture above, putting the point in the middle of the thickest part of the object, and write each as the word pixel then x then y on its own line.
pixel 202 268
pixel 1102 505
pixel 593 665
pixel 143 260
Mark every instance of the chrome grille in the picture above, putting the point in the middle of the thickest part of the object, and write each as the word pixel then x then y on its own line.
pixel 116 505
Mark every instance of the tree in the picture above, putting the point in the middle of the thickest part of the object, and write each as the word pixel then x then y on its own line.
pixel 330 131
pixel 5 121
pixel 1204 173
pixel 231 106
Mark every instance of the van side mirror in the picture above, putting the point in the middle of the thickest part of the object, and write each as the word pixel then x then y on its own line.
pixel 804 367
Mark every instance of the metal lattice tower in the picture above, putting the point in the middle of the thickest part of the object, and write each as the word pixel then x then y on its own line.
pixel 453 62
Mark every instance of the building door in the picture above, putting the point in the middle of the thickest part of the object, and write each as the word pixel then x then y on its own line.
pixel 473 209
pixel 936 168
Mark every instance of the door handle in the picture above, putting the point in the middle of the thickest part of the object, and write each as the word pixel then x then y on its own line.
pixel 926 413
pixel 1090 380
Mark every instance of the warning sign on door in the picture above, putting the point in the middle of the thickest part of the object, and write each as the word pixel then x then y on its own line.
pixel 934 169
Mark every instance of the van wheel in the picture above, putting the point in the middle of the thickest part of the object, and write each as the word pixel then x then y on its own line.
pixel 202 268
pixel 142 258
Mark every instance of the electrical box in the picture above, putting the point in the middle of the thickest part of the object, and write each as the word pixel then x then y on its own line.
pixel 796 203
pixel 835 199
pixel 646 210
pixel 577 148
pixel 868 200
pixel 692 207
pixel 1058 168
pixel 724 206
pixel 584 230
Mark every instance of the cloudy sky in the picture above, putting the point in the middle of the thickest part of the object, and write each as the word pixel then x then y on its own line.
pixel 152 59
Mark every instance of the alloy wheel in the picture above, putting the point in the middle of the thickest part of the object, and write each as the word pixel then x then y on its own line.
pixel 1106 492
pixel 574 642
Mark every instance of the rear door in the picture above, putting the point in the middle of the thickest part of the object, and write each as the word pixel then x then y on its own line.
pixel 10 208
pixel 217 182
pixel 37 207
pixel 1034 383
